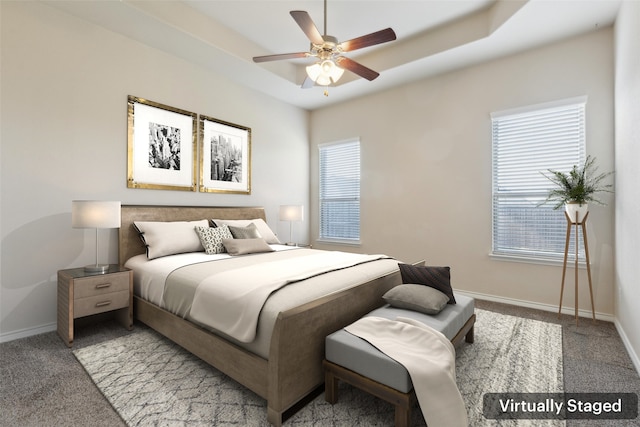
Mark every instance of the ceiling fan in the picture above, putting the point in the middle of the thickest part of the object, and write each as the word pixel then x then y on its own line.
pixel 330 64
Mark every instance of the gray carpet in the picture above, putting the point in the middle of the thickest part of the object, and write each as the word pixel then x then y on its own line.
pixel 151 381
pixel 42 384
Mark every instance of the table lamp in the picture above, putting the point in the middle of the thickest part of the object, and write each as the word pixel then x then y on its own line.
pixel 291 213
pixel 95 214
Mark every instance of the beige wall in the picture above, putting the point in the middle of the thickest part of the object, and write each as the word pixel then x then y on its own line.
pixel 627 126
pixel 426 166
pixel 64 112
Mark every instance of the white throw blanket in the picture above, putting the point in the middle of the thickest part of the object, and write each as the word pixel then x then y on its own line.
pixel 428 356
pixel 231 301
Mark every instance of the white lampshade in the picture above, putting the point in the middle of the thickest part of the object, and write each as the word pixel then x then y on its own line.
pixel 313 71
pixel 330 68
pixel 95 214
pixel 291 212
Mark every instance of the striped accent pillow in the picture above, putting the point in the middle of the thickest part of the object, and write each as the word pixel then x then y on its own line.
pixel 436 277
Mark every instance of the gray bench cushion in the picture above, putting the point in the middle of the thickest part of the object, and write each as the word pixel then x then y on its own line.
pixel 356 354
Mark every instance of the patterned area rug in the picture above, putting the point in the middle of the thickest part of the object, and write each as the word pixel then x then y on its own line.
pixel 151 381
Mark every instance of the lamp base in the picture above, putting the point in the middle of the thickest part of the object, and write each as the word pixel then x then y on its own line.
pixel 96 268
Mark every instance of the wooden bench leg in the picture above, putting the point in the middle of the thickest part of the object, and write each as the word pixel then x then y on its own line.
pixel 403 416
pixel 330 387
pixel 403 402
pixel 470 337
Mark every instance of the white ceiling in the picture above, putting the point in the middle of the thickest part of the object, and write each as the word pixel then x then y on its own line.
pixel 433 36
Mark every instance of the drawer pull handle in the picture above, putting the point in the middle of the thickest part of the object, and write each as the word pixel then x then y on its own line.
pixel 103 303
pixel 102 286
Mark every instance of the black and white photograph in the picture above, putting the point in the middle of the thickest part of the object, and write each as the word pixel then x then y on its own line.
pixel 226 158
pixel 161 146
pixel 225 165
pixel 164 146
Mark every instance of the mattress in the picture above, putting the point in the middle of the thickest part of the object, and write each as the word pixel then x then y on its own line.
pixel 150 277
pixel 354 353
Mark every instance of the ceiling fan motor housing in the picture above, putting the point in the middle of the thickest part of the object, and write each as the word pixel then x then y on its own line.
pixel 328 49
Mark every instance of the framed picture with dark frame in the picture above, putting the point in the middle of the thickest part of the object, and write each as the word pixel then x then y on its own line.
pixel 161 151
pixel 225 157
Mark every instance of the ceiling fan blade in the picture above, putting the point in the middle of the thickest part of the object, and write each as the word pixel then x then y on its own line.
pixel 280 56
pixel 378 37
pixel 357 68
pixel 307 83
pixel 308 27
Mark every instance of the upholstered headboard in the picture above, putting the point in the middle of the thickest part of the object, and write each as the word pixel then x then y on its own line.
pixel 129 242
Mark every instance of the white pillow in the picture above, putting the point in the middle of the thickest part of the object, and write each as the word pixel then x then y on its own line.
pixel 169 238
pixel 264 230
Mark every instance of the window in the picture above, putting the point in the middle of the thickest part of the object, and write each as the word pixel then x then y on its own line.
pixel 340 191
pixel 527 142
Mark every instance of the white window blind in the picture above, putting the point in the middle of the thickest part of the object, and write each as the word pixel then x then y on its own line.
pixel 340 191
pixel 525 143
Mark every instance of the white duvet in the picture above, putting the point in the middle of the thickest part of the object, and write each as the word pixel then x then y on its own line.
pixel 150 276
pixel 231 301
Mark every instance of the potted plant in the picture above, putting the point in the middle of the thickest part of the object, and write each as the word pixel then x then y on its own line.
pixel 576 188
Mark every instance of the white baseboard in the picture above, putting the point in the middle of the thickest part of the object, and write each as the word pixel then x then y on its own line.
pixel 23 333
pixel 536 305
pixel 635 359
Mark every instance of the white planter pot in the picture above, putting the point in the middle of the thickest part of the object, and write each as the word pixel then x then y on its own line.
pixel 576 211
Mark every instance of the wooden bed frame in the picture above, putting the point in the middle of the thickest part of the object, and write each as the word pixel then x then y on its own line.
pixel 294 367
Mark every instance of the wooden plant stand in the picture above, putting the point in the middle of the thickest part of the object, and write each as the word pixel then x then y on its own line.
pixel 564 264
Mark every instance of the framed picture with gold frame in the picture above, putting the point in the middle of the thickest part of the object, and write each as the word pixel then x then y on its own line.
pixel 161 151
pixel 225 157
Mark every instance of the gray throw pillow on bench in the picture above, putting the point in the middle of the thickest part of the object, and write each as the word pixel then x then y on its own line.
pixel 423 299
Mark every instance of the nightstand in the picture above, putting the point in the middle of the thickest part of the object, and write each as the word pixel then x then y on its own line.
pixel 83 294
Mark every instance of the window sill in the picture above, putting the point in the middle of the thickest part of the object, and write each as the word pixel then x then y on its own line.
pixel 537 260
pixel 339 242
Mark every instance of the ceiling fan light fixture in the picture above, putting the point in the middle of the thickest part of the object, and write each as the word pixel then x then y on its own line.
pixel 324 72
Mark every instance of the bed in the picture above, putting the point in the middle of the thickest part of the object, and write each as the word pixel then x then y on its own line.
pixel 290 369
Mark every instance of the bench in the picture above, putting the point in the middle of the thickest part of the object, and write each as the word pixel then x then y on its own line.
pixel 356 362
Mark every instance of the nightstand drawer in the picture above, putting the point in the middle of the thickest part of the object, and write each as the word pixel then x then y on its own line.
pixel 99 285
pixel 100 303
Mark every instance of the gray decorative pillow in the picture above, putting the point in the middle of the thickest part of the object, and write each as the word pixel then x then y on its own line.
pixel 248 232
pixel 417 298
pixel 211 238
pixel 265 232
pixel 246 246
